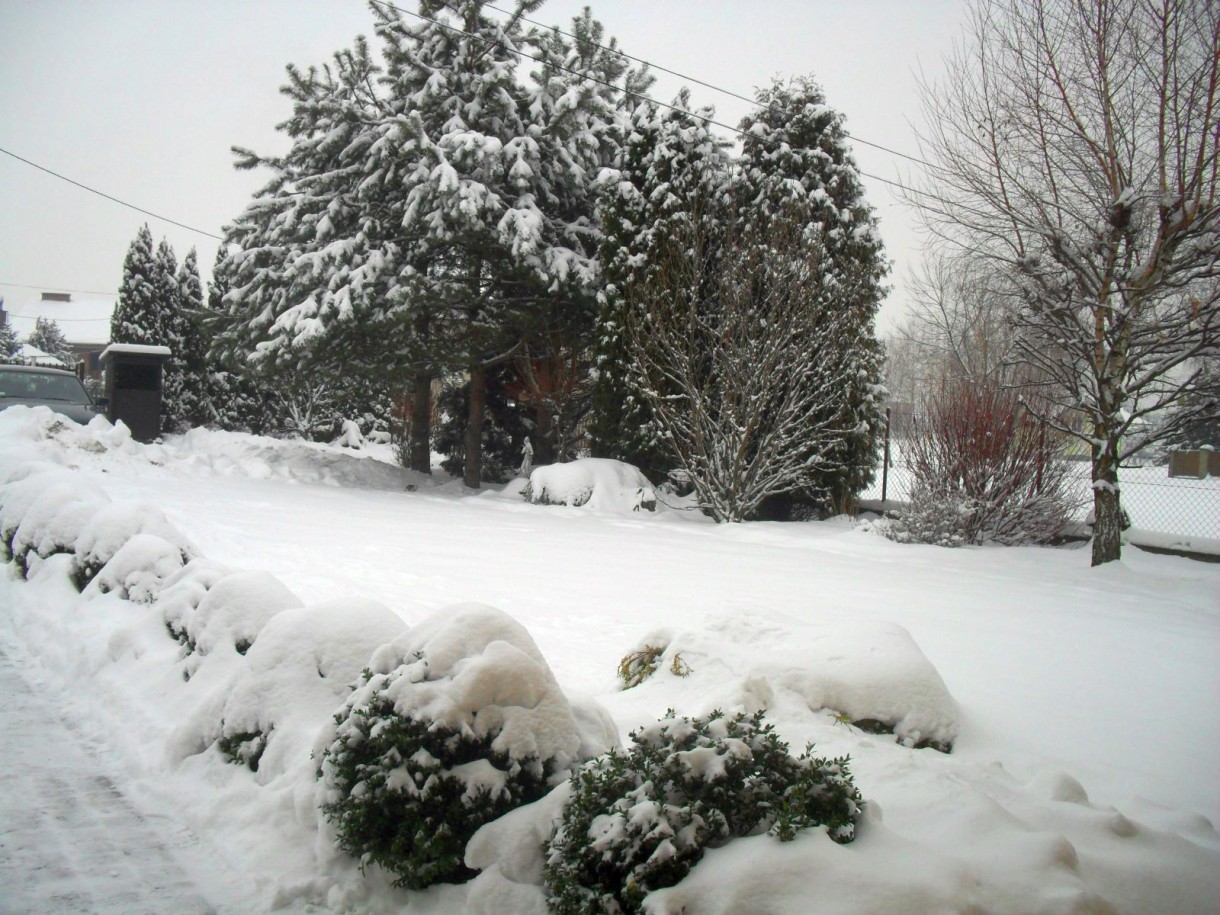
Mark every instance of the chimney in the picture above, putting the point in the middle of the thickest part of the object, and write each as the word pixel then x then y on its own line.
pixel 57 297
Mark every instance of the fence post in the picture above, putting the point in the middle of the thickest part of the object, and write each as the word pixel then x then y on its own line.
pixel 885 464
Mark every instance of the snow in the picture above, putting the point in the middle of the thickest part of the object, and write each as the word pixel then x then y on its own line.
pixel 597 483
pixel 1081 703
pixel 135 349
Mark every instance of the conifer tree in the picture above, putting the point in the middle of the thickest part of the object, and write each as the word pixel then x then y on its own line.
pixel 439 206
pixel 135 318
pixel 670 164
pixel 47 337
pixel 10 343
pixel 191 362
pixel 795 154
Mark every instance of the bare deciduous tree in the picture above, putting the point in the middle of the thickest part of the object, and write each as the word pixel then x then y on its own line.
pixel 733 347
pixel 1075 147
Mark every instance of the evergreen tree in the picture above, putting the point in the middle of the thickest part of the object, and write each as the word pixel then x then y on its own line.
pixel 10 343
pixel 795 154
pixel 136 315
pixel 441 206
pixel 186 395
pixel 671 164
pixel 47 337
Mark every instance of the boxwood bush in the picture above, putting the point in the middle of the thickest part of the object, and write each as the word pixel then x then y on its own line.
pixel 639 821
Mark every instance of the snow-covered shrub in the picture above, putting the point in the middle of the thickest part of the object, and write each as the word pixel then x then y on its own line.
pixel 51 522
pixel 183 591
pixel 934 515
pixel 296 674
pixel 233 612
pixel 23 486
pixel 984 470
pixel 455 723
pixel 111 527
pixel 138 569
pixel 639 821
pixel 599 483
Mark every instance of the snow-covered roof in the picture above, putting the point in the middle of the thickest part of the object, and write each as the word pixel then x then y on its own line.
pixel 32 355
pixel 84 321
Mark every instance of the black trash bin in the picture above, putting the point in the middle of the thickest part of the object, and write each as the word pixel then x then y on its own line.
pixel 133 387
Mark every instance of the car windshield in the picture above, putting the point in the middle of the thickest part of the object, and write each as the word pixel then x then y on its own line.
pixel 39 386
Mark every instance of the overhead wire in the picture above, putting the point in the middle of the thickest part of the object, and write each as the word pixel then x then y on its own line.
pixel 706 85
pixel 904 188
pixel 93 190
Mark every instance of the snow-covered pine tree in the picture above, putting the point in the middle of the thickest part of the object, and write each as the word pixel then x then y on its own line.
pixel 136 315
pixel 48 337
pixel 185 373
pixel 795 152
pixel 10 342
pixel 669 160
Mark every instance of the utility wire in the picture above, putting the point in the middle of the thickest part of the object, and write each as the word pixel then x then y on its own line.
pixel 638 95
pixel 58 289
pixel 91 190
pixel 694 79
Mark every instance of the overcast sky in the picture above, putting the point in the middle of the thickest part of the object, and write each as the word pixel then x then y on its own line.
pixel 142 100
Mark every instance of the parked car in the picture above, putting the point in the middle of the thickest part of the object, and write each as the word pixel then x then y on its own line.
pixel 34 386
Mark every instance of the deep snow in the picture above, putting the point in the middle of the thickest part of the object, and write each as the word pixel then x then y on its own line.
pixel 1083 703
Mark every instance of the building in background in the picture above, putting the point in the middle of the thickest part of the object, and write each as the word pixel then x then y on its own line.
pixel 84 321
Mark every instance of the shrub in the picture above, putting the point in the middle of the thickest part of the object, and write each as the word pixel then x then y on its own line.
pixel 984 470
pixel 639 821
pixel 456 723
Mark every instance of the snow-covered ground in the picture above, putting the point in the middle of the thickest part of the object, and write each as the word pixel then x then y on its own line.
pixel 1083 704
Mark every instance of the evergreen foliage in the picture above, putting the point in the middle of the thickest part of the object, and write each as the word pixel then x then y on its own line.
pixel 47 337
pixel 10 342
pixel 669 160
pixel 795 152
pixel 639 821
pixel 136 317
pixel 504 429
pixel 438 201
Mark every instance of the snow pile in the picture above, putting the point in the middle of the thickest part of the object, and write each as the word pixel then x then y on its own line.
pixel 157 553
pixel 870 674
pixel 296 674
pixel 597 483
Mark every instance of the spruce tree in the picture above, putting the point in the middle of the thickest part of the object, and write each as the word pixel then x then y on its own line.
pixel 136 315
pixel 190 362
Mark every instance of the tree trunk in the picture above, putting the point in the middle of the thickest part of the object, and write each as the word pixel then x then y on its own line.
pixel 473 442
pixel 1107 512
pixel 544 433
pixel 421 424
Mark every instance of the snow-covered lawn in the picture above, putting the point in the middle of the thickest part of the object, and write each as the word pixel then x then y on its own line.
pixel 1083 705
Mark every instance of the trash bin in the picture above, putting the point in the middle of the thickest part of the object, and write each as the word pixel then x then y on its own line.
pixel 133 387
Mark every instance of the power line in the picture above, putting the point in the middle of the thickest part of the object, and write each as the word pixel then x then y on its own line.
pixel 694 79
pixel 91 190
pixel 637 95
pixel 56 289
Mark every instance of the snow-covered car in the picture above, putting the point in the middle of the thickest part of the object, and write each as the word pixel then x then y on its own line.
pixel 35 386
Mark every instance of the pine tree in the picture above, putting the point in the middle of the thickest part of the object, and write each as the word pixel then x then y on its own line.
pixel 47 337
pixel 795 154
pixel 438 206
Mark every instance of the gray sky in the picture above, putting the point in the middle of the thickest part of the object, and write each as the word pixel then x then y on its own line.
pixel 142 99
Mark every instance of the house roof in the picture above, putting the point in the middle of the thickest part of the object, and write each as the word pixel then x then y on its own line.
pixel 32 355
pixel 84 321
